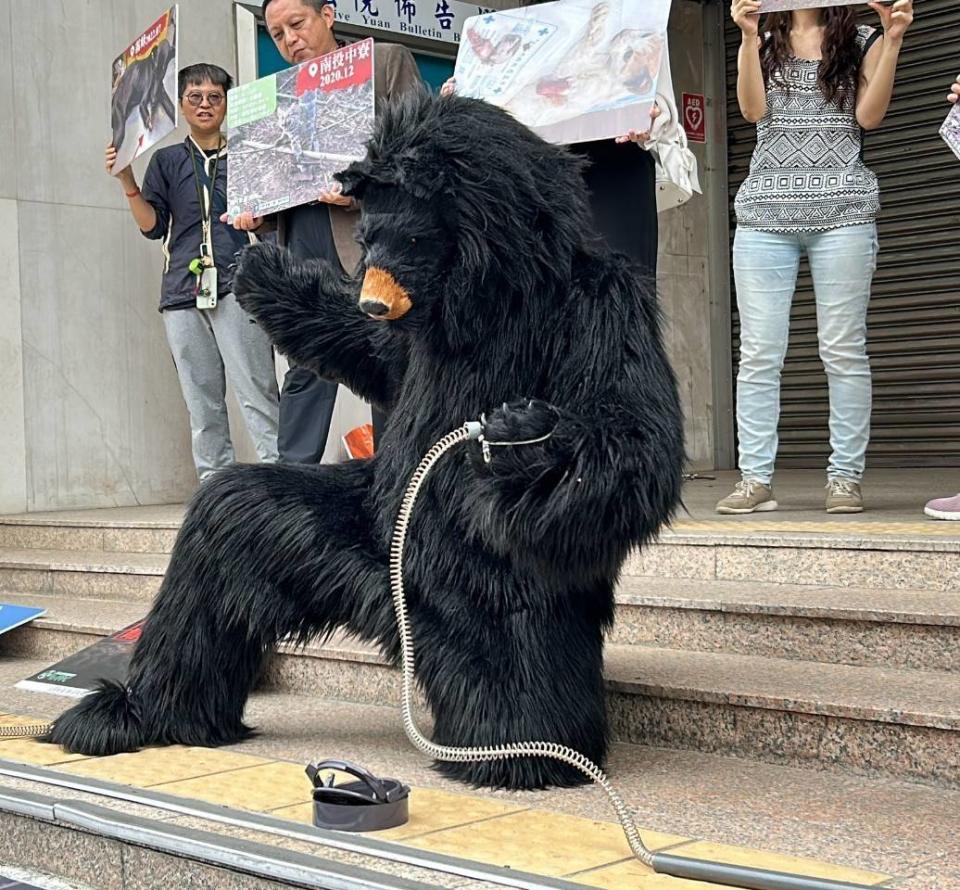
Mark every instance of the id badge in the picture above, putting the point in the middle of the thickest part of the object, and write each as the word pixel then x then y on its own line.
pixel 207 291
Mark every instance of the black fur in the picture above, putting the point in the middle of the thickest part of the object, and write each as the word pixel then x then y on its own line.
pixel 510 566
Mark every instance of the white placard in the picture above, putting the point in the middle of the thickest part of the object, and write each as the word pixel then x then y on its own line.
pixel 574 70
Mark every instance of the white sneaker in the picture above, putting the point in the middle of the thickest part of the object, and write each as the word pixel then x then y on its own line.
pixel 749 496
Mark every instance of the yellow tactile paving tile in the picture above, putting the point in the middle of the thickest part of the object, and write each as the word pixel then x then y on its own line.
pixel 161 766
pixel 853 527
pixel 777 862
pixel 19 720
pixel 634 875
pixel 430 810
pixel 260 788
pixel 551 844
pixel 587 852
pixel 439 810
pixel 30 750
pixel 35 753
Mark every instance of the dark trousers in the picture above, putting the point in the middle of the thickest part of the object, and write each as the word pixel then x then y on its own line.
pixel 306 409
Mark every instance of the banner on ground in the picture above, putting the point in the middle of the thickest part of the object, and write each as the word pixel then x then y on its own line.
pixel 143 95
pixel 573 70
pixel 78 674
pixel 287 134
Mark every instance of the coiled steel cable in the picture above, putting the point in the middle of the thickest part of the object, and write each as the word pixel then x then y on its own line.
pixel 475 755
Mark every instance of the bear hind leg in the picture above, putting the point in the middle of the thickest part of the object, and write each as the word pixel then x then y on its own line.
pixel 265 552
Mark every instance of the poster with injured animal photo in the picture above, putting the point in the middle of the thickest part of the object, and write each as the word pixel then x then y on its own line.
pixel 143 103
pixel 287 134
pixel 573 70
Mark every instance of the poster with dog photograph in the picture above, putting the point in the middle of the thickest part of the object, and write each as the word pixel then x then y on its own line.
pixel 950 131
pixel 784 5
pixel 573 71
pixel 143 103
pixel 287 134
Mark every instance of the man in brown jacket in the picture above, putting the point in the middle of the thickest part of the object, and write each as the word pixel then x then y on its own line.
pixel 302 30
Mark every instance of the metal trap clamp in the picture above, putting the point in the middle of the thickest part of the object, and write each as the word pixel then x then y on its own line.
pixel 369 804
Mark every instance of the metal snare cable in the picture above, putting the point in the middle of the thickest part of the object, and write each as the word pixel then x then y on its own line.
pixel 662 863
pixel 24 731
pixel 474 430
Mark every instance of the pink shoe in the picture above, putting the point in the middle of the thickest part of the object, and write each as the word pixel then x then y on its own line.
pixel 944 508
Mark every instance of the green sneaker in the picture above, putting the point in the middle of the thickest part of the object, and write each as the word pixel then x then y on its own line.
pixel 844 496
pixel 749 496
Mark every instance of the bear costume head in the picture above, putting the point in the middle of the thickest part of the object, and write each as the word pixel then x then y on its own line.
pixel 457 198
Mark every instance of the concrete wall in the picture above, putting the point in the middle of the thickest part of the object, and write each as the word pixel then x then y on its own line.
pixel 691 291
pixel 90 408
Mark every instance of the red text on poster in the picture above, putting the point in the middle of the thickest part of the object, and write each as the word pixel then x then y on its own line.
pixel 348 66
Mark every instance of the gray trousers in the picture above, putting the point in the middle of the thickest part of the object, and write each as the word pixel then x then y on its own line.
pixel 211 346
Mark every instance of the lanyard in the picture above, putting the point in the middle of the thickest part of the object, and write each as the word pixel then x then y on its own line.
pixel 206 208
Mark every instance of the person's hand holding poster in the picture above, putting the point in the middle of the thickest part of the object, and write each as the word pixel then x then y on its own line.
pixel 573 70
pixel 287 134
pixel 143 102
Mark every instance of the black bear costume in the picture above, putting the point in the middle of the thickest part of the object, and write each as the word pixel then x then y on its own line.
pixel 489 295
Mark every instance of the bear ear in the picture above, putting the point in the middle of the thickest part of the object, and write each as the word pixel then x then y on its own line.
pixel 354 179
pixel 421 172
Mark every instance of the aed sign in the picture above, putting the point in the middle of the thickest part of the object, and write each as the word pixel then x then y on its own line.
pixel 695 117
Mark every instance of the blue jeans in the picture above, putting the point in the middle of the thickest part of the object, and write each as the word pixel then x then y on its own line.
pixel 765 264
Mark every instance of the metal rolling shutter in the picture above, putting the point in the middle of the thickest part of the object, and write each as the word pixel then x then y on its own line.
pixel 914 316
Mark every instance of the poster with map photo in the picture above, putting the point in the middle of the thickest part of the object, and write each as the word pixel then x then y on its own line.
pixel 573 71
pixel 784 5
pixel 143 93
pixel 950 131
pixel 287 134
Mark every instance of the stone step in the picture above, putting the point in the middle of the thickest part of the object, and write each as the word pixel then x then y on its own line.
pixel 916 629
pixel 903 829
pixel 868 719
pixel 868 555
pixel 85 574
pixel 118 530
pixel 896 723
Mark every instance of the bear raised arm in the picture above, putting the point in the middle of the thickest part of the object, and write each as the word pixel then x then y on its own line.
pixel 312 315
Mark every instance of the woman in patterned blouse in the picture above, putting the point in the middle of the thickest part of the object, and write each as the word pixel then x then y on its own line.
pixel 812 81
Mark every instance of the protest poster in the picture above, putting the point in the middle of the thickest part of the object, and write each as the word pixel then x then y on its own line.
pixel 287 134
pixel 77 675
pixel 143 95
pixel 12 616
pixel 784 5
pixel 574 70
pixel 950 131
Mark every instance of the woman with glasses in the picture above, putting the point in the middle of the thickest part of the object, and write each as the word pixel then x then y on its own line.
pixel 212 339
